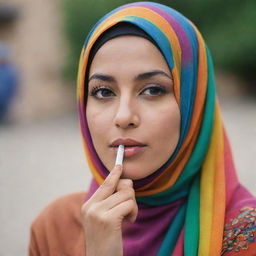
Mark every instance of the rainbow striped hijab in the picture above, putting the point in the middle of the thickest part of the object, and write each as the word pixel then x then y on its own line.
pixel 201 170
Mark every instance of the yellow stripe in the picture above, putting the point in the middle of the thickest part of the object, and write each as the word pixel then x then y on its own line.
pixel 206 194
pixel 78 91
pixel 219 192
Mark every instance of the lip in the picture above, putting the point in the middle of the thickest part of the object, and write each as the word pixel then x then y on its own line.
pixel 126 142
pixel 131 147
pixel 131 150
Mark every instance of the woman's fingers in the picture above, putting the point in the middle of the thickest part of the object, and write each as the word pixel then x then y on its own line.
pixel 109 185
pixel 125 196
pixel 124 183
pixel 117 198
pixel 128 209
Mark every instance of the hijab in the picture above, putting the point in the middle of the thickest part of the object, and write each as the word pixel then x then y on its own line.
pixel 182 205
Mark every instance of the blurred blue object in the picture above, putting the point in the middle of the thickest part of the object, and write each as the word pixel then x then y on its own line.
pixel 8 82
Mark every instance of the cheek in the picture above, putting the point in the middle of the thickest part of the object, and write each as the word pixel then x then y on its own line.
pixel 165 125
pixel 98 121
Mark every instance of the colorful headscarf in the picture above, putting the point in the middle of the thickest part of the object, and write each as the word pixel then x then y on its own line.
pixel 193 188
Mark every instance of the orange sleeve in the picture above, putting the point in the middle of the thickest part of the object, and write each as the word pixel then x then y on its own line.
pixel 58 229
pixel 33 247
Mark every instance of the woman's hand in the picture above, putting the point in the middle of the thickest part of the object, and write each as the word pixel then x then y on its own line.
pixel 104 213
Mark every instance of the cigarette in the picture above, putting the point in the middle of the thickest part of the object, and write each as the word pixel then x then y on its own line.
pixel 120 155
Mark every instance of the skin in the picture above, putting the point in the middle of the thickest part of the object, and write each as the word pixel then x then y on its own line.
pixel 130 95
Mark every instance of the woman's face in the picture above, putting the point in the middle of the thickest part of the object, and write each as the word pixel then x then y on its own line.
pixel 131 100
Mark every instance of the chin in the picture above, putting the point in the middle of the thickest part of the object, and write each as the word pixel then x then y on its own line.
pixel 135 172
pixel 130 176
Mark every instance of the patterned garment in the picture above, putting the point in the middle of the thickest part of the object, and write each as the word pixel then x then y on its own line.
pixel 186 201
pixel 239 233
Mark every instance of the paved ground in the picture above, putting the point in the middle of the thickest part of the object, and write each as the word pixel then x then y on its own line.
pixel 39 162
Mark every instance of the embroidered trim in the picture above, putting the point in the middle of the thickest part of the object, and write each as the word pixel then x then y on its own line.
pixel 240 232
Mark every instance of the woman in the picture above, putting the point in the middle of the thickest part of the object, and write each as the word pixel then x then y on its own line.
pixel 146 81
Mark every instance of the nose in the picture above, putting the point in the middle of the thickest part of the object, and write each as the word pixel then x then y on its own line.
pixel 127 114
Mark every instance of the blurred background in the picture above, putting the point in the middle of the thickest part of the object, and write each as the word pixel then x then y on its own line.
pixel 41 153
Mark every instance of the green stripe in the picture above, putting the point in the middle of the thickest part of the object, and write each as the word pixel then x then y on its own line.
pixel 191 236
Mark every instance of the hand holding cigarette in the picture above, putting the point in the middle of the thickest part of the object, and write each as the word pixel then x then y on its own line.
pixel 105 211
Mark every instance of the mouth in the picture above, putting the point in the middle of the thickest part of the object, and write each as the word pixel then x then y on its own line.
pixel 130 151
pixel 131 147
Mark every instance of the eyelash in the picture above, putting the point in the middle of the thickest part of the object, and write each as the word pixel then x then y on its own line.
pixel 96 89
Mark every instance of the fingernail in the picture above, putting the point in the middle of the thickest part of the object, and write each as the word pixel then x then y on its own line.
pixel 119 167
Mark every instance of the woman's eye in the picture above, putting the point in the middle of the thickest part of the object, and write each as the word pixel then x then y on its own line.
pixel 104 92
pixel 101 93
pixel 154 91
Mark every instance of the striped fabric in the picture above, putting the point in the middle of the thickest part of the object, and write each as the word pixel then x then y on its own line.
pixel 201 168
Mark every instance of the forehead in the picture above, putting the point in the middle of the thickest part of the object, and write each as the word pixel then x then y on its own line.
pixel 128 52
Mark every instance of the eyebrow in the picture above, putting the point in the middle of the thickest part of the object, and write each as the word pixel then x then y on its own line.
pixel 152 73
pixel 102 77
pixel 139 77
